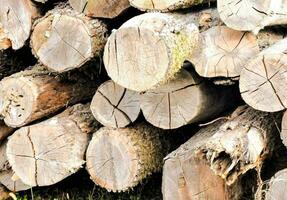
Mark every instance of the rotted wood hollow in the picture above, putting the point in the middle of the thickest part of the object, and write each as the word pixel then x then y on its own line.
pixel 166 5
pixel 263 79
pixel 223 152
pixel 149 49
pixel 119 159
pixel 64 39
pixel 15 14
pixel 252 15
pixel 32 94
pixel 48 152
pixel 100 8
pixel 186 99
pixel 7 176
pixel 114 106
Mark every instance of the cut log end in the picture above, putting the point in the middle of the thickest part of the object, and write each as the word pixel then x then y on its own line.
pixel 115 106
pixel 276 186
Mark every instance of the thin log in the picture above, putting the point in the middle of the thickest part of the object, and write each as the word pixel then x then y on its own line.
pixel 64 39
pixel 212 163
pixel 283 133
pixel 263 79
pixel 100 8
pixel 16 18
pixel 186 99
pixel 149 49
pixel 119 159
pixel 48 152
pixel 32 94
pixel 114 106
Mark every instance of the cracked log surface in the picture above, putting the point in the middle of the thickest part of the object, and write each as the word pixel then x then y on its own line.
pixel 64 40
pixel 119 159
pixel 32 94
pixel 166 5
pixel 149 49
pixel 48 152
pixel 250 15
pixel 219 154
pixel 7 176
pixel 16 18
pixel 263 80
pixel 100 8
pixel 114 106
pixel 186 99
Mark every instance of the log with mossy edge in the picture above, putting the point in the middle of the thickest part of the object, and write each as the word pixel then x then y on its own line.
pixel 64 39
pixel 119 159
pixel 46 153
pixel 223 151
pixel 36 93
pixel 149 49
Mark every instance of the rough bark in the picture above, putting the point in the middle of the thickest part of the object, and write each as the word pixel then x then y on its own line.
pixel 32 94
pixel 218 155
pixel 48 152
pixel 263 79
pixel 64 39
pixel 118 159
pixel 17 17
pixel 166 5
pixel 100 8
pixel 149 49
pixel 186 99
pixel 250 15
pixel 114 106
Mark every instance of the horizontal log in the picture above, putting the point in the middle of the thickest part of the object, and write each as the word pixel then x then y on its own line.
pixel 149 49
pixel 46 153
pixel 61 50
pixel 32 94
pixel 114 106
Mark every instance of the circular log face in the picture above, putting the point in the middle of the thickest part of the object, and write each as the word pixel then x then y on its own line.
pixel 245 15
pixel 263 82
pixel 224 52
pixel 277 186
pixel 115 106
pixel 17 98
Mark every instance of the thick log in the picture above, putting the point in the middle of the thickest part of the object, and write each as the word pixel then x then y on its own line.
pixel 250 15
pixel 17 17
pixel 149 49
pixel 186 99
pixel 64 39
pixel 32 94
pixel 211 164
pixel 263 79
pixel 119 159
pixel 166 5
pixel 100 8
pixel 7 175
pixel 48 152
pixel 114 106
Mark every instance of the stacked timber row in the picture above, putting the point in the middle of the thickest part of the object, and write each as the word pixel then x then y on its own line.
pixel 182 63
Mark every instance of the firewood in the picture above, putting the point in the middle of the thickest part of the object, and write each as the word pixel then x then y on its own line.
pixel 48 152
pixel 283 133
pixel 211 164
pixel 263 81
pixel 32 94
pixel 149 49
pixel 5 130
pixel 250 15
pixel 118 159
pixel 7 176
pixel 115 106
pixel 166 5
pixel 17 17
pixel 186 99
pixel 5 43
pixel 64 39
pixel 100 8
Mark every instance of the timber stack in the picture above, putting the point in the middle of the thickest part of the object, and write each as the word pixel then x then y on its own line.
pixel 98 85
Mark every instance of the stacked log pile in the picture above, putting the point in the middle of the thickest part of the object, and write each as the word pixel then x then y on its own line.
pixel 78 91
